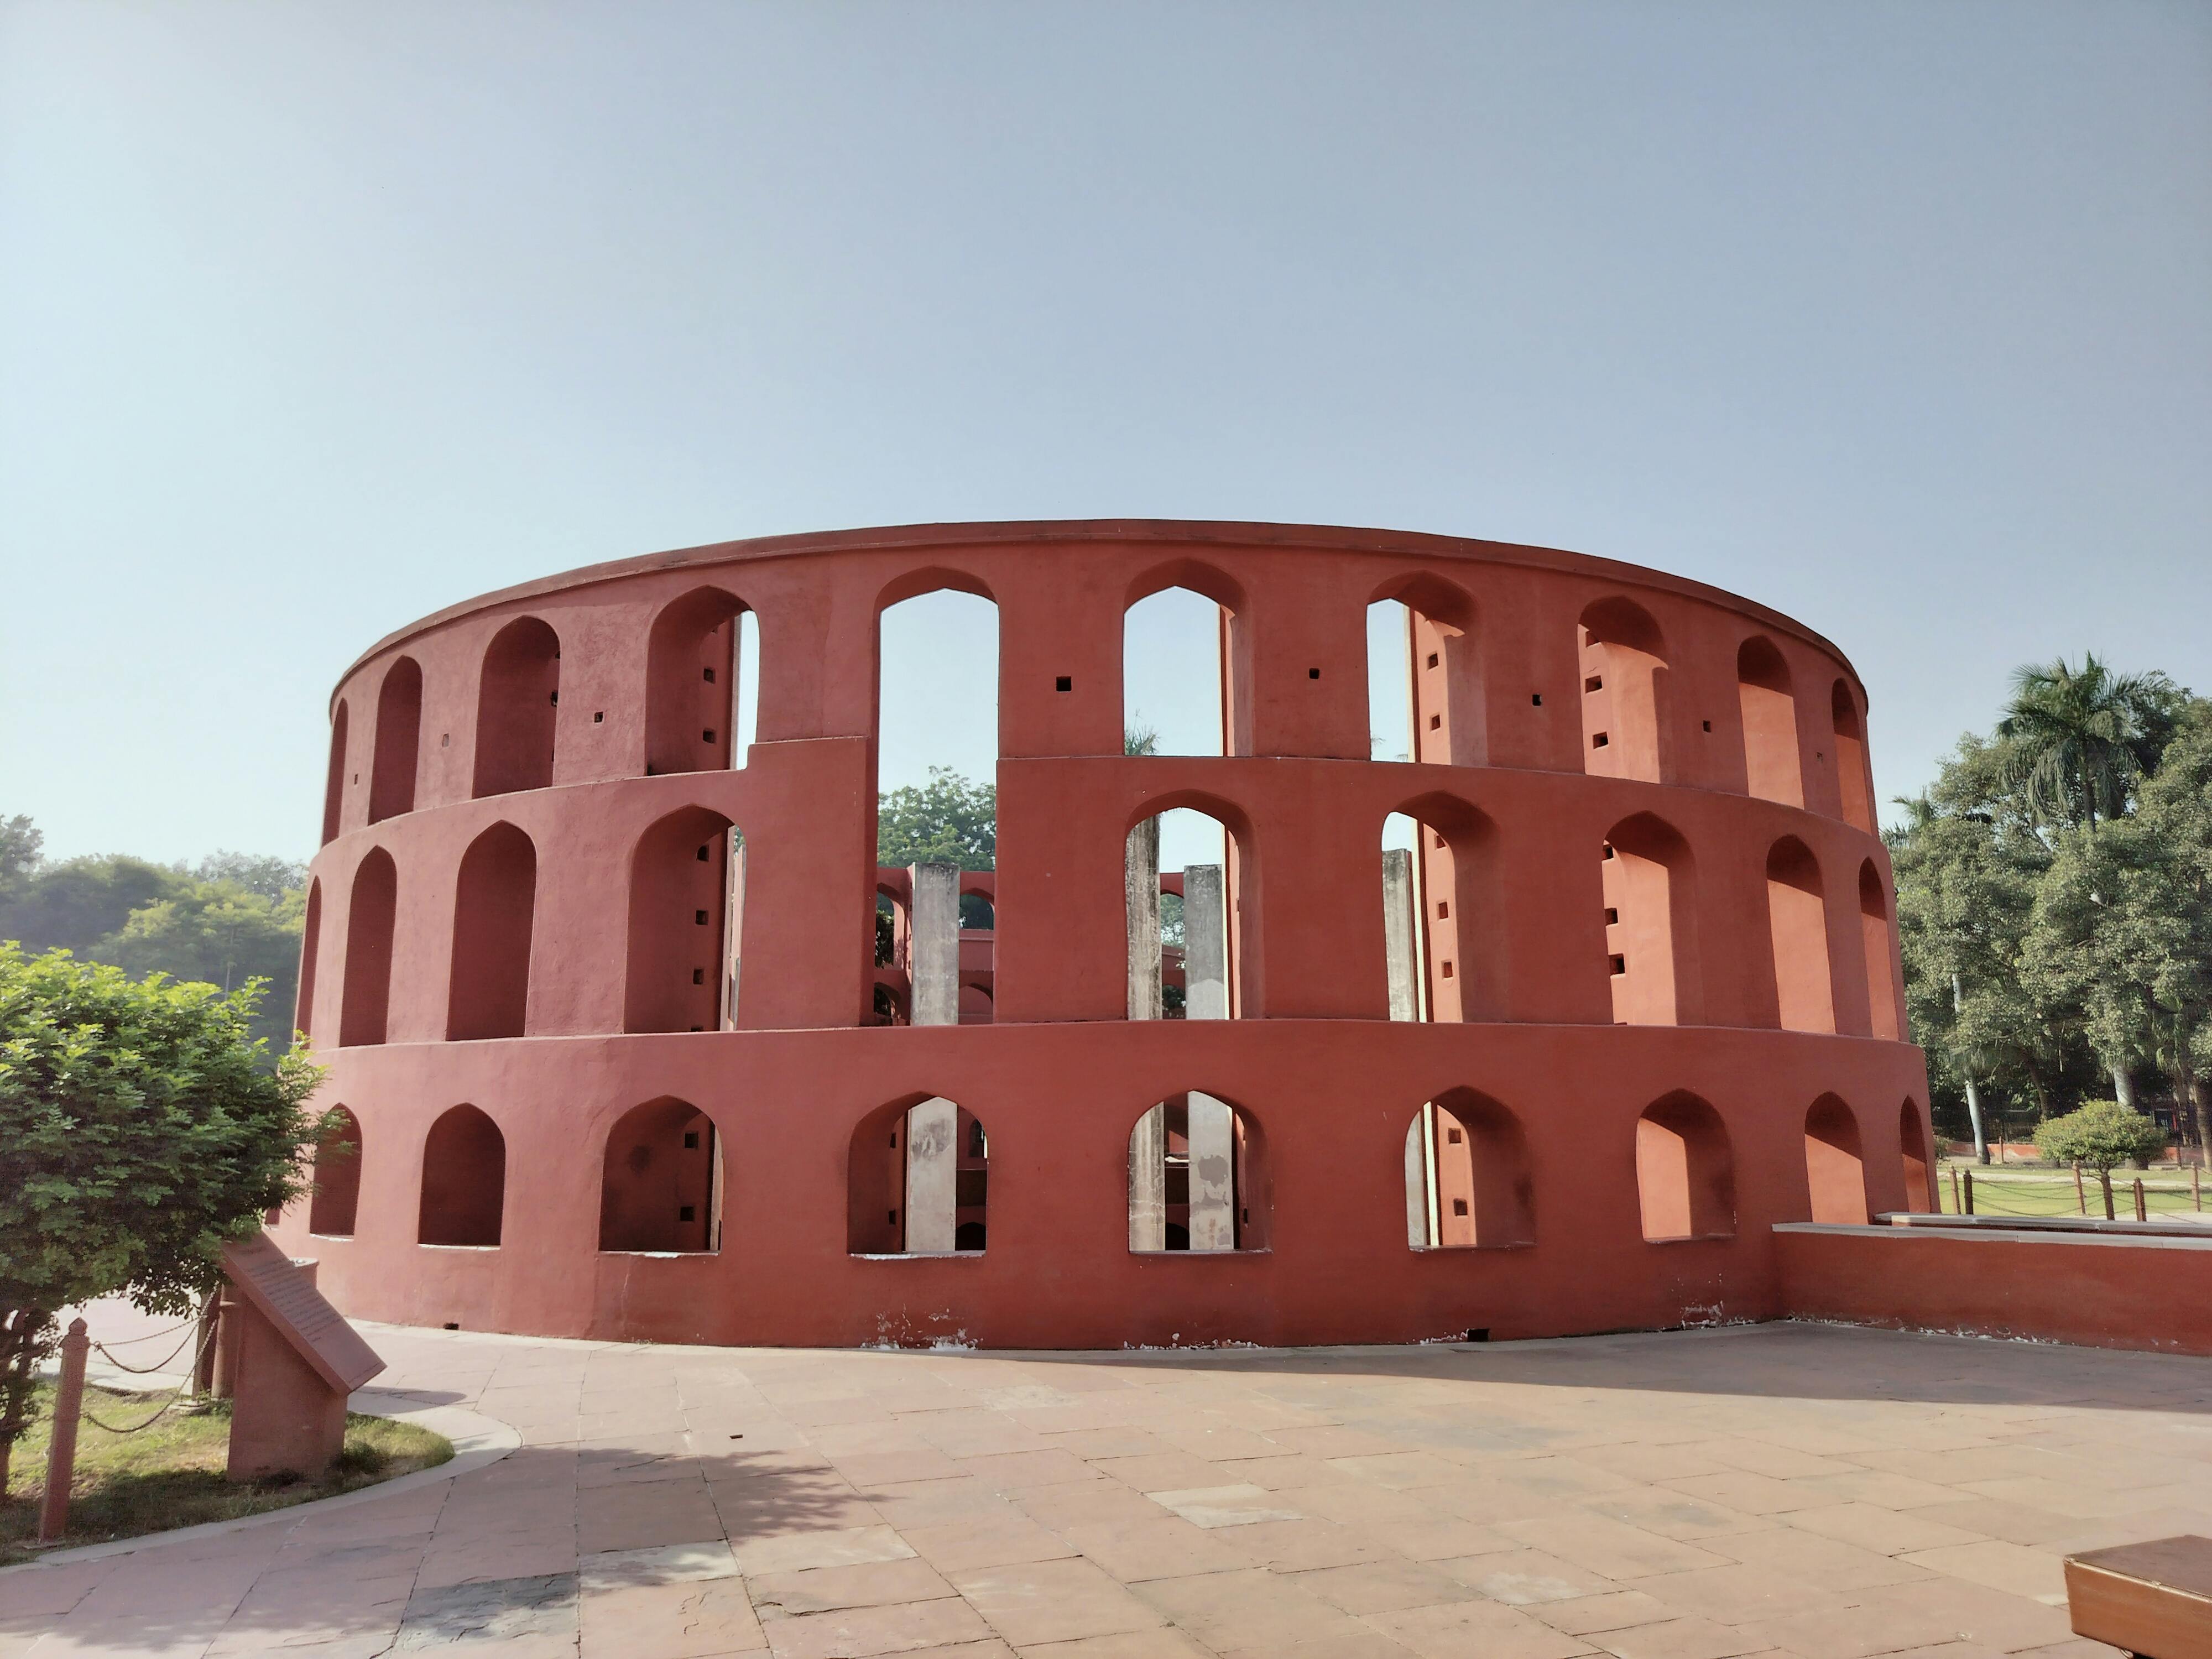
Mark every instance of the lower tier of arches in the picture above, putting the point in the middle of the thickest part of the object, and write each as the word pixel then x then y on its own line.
pixel 1322 1128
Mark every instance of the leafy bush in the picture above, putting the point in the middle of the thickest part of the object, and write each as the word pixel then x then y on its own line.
pixel 2101 1135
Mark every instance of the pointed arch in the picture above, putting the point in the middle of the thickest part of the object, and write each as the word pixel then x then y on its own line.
pixel 495 903
pixel 1851 752
pixel 661 1180
pixel 918 1179
pixel 1835 1166
pixel 1624 692
pixel 1468 1185
pixel 1650 883
pixel 1213 957
pixel 1458 901
pixel 334 778
pixel 398 741
pixel 463 1181
pixel 1875 939
pixel 1771 768
pixel 311 947
pixel 1228 664
pixel 1442 656
pixel 517 708
pixel 1912 1146
pixel 1199 1178
pixel 336 1201
pixel 1797 927
pixel 692 675
pixel 371 916
pixel 681 898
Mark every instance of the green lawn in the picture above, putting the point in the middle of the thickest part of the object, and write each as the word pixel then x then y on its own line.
pixel 172 1474
pixel 2033 1192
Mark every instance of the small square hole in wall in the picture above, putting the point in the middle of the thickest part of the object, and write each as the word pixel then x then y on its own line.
pixel 1599 741
pixel 1459 1206
pixel 554 699
pixel 704 850
pixel 895 1141
pixel 1817 755
pixel 891 1217
pixel 1432 659
pixel 1439 841
pixel 1313 673
pixel 698 1028
pixel 686 1211
pixel 691 1140
pixel 707 736
pixel 598 717
pixel 1708 724
pixel 1064 683
pixel 1608 849
pixel 1535 700
pixel 1448 971
pixel 699 918
pixel 710 673
pixel 452 1324
pixel 1443 909
pixel 1612 916
pixel 445 740
pixel 1594 683
pixel 1620 964
pixel 1436 722
pixel 1451 1137
pixel 698 976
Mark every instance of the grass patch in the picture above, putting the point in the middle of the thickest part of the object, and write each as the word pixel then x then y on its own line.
pixel 172 1474
pixel 2050 1192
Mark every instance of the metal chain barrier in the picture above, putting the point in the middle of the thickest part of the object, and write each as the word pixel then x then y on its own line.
pixel 169 1405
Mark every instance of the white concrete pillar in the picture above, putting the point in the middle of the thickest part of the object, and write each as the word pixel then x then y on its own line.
pixel 1141 899
pixel 1148 1181
pixel 733 928
pixel 1417 1183
pixel 932 1174
pixel 1401 942
pixel 1212 1171
pixel 933 956
pixel 1204 945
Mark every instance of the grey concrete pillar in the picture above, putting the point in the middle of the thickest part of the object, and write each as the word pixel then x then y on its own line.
pixel 1148 1181
pixel 933 954
pixel 1204 945
pixel 1402 937
pixel 1417 1184
pixel 1212 1171
pixel 933 1172
pixel 1141 879
pixel 733 928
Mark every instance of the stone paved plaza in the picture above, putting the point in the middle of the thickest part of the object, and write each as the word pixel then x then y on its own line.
pixel 1792 1489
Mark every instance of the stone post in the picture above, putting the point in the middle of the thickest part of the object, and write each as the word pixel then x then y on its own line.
pixel 1204 949
pixel 1212 1170
pixel 932 1174
pixel 1142 901
pixel 1401 942
pixel 1148 1181
pixel 61 1445
pixel 934 952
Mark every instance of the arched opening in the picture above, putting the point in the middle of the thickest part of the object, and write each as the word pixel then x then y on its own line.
pixel 1880 967
pixel 398 741
pixel 370 916
pixel 494 905
pixel 1443 911
pixel 1189 878
pixel 1426 700
pixel 1467 1179
pixel 1624 663
pixel 702 669
pixel 1183 662
pixel 337 1198
pixel 1649 880
pixel 1198 1177
pixel 686 889
pixel 1684 1174
pixel 1835 1172
pixel 1850 752
pixel 660 1187
pixel 919 1181
pixel 334 778
pixel 1912 1142
pixel 311 946
pixel 517 708
pixel 463 1181
pixel 1797 923
pixel 1770 723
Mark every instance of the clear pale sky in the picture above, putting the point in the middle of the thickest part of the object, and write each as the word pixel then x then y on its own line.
pixel 314 317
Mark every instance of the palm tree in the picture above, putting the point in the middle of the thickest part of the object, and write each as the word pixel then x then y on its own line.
pixel 2081 738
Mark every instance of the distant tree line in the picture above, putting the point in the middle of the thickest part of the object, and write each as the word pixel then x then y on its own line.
pixel 2054 900
pixel 227 918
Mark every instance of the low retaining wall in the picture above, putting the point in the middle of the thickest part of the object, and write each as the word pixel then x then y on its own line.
pixel 2101 1289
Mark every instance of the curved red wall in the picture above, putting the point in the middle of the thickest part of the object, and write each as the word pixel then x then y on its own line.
pixel 1060 1076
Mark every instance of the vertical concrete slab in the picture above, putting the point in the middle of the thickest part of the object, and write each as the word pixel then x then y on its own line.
pixel 1148 1181
pixel 934 956
pixel 733 929
pixel 1212 1170
pixel 1141 879
pixel 932 1170
pixel 1417 1184
pixel 1400 939
pixel 1204 946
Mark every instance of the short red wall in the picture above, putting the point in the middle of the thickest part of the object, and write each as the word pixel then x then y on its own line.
pixel 2102 1292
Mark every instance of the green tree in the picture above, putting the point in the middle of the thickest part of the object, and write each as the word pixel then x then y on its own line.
pixel 947 820
pixel 260 873
pixel 223 934
pixel 79 901
pixel 2080 740
pixel 140 1130
pixel 20 845
pixel 2100 1135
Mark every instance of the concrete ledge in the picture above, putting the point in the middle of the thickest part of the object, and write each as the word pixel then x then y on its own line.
pixel 2181 1228
pixel 2099 1289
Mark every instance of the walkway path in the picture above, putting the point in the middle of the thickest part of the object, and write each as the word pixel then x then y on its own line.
pixel 1797 1489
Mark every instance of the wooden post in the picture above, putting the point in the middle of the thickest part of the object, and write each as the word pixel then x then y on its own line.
pixel 2141 1213
pixel 2081 1195
pixel 61 1449
pixel 1958 1205
pixel 1970 1191
pixel 2105 1180
pixel 2195 1188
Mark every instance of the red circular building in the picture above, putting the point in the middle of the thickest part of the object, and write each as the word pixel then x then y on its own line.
pixel 624 1054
